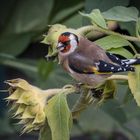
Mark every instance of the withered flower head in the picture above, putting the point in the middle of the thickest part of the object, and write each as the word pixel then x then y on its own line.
pixel 28 104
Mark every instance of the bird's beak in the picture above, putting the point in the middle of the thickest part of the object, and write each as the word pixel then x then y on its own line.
pixel 60 46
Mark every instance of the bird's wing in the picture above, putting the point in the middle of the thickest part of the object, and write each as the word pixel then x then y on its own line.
pixel 81 64
pixel 90 58
pixel 84 65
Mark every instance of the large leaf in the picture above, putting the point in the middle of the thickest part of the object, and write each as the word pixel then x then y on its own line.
pixel 134 83
pixel 135 3
pixel 115 44
pixel 120 13
pixel 70 22
pixel 134 126
pixel 63 10
pixel 45 68
pixel 104 5
pixel 45 132
pixel 121 51
pixel 15 44
pixel 130 26
pixel 29 15
pixel 5 8
pixel 58 115
pixel 114 111
pixel 96 18
pixel 66 14
pixel 24 65
pixel 24 20
pixel 109 117
pixel 57 78
pixel 82 103
pixel 138 27
pixel 112 41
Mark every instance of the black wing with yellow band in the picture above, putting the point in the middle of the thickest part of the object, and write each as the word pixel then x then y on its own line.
pixel 81 64
pixel 85 65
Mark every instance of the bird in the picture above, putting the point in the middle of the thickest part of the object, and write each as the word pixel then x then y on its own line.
pixel 87 62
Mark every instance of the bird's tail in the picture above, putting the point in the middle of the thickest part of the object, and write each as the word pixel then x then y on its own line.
pixel 125 64
pixel 131 61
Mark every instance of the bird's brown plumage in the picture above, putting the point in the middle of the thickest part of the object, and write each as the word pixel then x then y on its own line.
pixel 87 62
pixel 84 59
pixel 86 56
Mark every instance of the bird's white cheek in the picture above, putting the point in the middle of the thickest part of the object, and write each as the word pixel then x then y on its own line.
pixel 73 43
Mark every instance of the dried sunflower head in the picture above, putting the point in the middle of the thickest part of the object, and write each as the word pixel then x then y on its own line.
pixel 27 103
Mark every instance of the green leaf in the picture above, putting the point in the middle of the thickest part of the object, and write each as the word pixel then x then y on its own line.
pixel 45 68
pixel 121 51
pixel 112 41
pixel 82 103
pixel 96 18
pixel 66 14
pixel 45 132
pixel 22 22
pixel 64 10
pixel 106 118
pixel 58 115
pixel 138 27
pixel 127 97
pixel 115 44
pixel 103 5
pixel 70 22
pixel 135 3
pixel 114 111
pixel 22 64
pixel 129 26
pixel 14 44
pixel 120 13
pixel 134 83
pixel 27 16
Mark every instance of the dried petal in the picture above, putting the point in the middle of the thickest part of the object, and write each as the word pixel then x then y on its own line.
pixel 40 118
pixel 15 95
pixel 20 109
pixel 26 98
pixel 27 114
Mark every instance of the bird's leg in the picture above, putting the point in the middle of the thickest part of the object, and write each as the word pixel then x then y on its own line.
pixel 81 86
pixel 97 93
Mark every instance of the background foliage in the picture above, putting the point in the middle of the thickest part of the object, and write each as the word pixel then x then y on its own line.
pixel 22 24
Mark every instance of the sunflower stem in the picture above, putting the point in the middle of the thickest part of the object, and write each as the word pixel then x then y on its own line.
pixel 86 29
pixel 118 77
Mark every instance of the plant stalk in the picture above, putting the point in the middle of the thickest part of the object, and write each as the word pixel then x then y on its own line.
pixel 118 77
pixel 86 29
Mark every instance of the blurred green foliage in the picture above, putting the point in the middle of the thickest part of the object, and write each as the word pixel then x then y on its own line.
pixel 24 22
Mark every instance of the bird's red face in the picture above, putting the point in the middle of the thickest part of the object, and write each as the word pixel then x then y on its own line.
pixel 66 42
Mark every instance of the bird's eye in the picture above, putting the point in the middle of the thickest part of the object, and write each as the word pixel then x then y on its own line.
pixel 66 43
pixel 66 49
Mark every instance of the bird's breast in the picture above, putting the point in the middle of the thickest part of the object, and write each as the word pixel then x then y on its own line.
pixel 89 79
